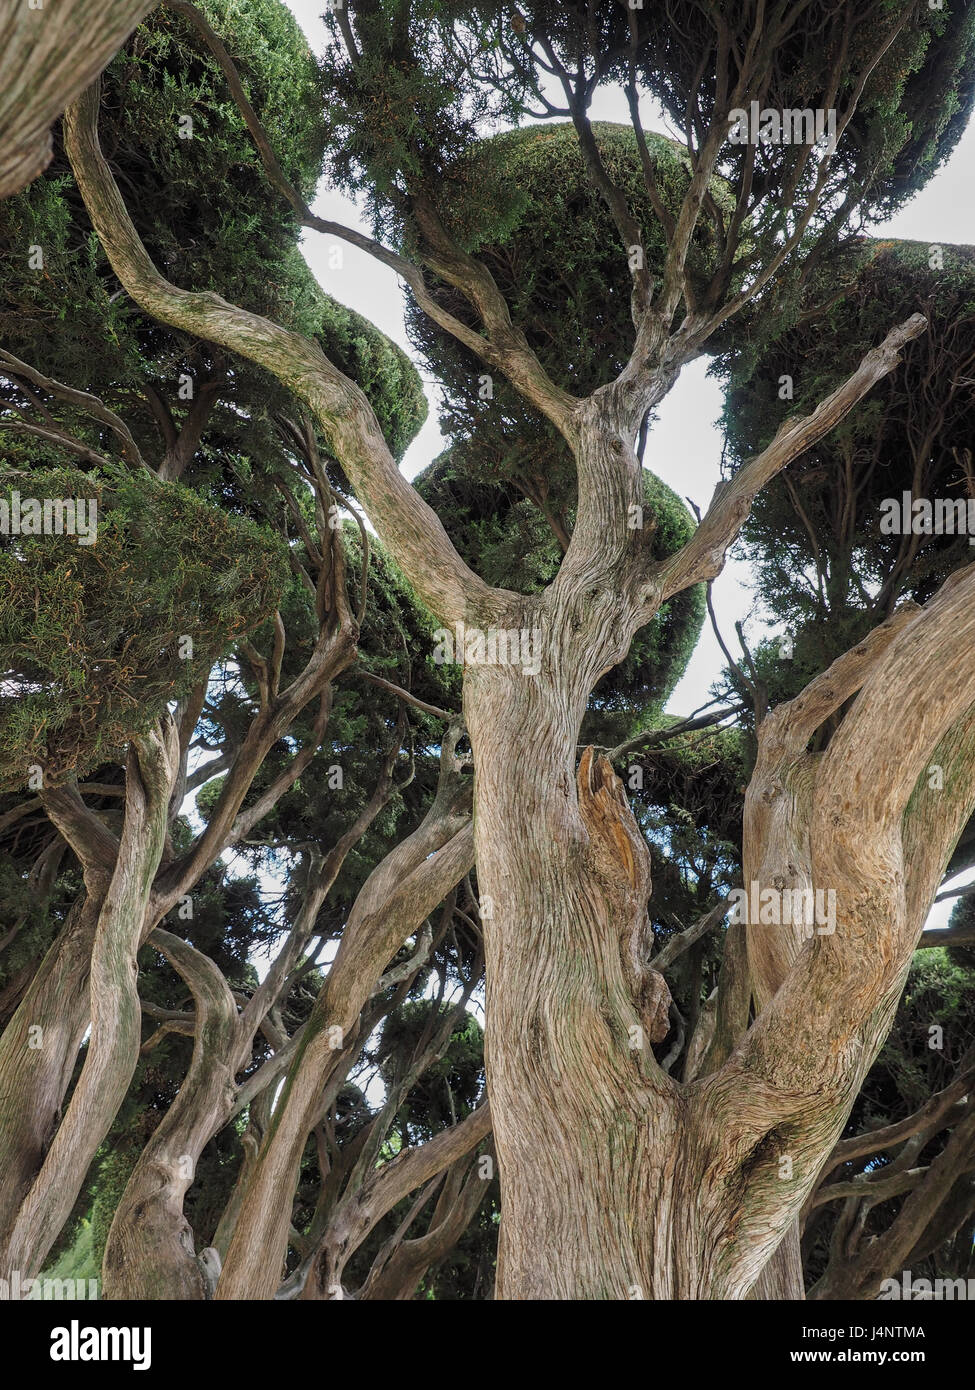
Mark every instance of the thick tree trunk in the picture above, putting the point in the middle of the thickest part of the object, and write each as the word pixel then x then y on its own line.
pixel 613 1182
pixel 777 868
pixel 587 1127
pixel 616 1181
pixel 782 1279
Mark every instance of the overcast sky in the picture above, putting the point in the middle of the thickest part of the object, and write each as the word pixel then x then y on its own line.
pixel 684 448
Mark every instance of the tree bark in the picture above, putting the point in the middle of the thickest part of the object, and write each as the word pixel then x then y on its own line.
pixel 587 1126
pixel 359 1212
pixel 397 1270
pixel 698 1168
pixel 617 1182
pixel 393 903
pixel 48 56
pixel 113 1046
pixel 150 1250
pixel 36 1066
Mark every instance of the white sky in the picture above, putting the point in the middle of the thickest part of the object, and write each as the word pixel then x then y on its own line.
pixel 684 448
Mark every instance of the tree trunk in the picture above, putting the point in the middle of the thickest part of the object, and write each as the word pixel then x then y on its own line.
pixel 396 898
pixel 150 1250
pixel 38 1051
pixel 588 1129
pixel 49 56
pixel 113 1047
pixel 616 1181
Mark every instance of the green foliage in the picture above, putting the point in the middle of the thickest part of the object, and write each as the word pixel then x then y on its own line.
pixel 429 76
pixel 505 489
pixel 234 234
pixel 80 1260
pixel 406 108
pixel 30 920
pixel 211 220
pixel 688 797
pixel 962 915
pixel 554 253
pixel 524 202
pixel 451 1086
pixel 231 239
pixel 93 636
pixel 424 80
pixel 911 112
pixel 821 562
pixel 939 993
pixel 396 643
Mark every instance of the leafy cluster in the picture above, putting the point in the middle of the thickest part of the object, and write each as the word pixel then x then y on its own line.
pixel 98 639
pixel 450 1088
pixel 240 239
pixel 822 562
pixel 505 489
pixel 554 253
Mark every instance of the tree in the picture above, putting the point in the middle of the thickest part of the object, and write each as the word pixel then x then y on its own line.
pixel 819 536
pixel 720 1164
pixel 199 522
pixel 905 1184
pixel 826 566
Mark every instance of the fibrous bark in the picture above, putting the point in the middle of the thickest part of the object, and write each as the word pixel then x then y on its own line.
pixel 48 55
pixel 116 1016
pixel 608 1166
